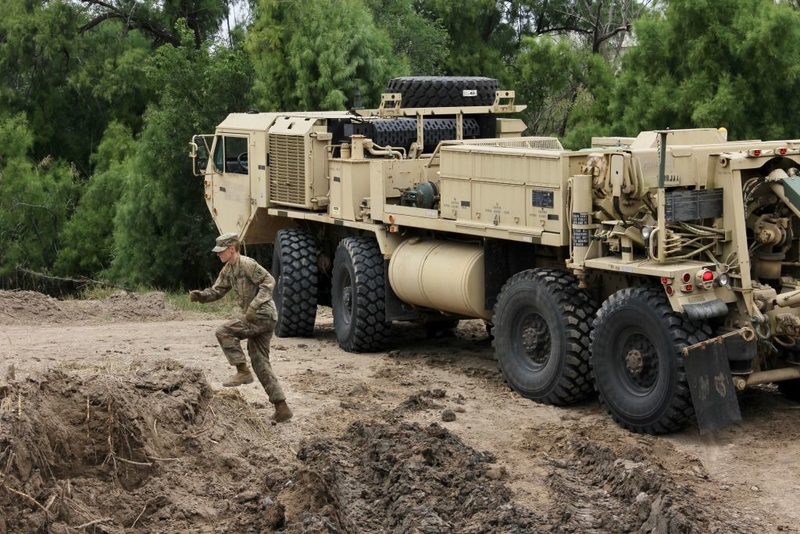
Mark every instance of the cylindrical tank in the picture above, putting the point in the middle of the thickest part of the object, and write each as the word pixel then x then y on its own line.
pixel 582 227
pixel 440 275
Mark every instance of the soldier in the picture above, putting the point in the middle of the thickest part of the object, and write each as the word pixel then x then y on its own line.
pixel 253 286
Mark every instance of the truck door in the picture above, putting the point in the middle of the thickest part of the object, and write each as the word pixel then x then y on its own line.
pixel 230 187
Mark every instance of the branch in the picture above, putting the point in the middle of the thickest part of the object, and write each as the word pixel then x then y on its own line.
pixel 130 21
pixel 97 20
pixel 100 3
pixel 612 33
pixel 148 27
pixel 46 511
pixel 96 521
pixel 559 29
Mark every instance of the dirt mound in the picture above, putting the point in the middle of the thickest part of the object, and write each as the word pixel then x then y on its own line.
pixel 155 450
pixel 407 478
pixel 98 433
pixel 90 450
pixel 29 307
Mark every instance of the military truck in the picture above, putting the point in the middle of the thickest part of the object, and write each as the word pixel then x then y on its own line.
pixel 661 271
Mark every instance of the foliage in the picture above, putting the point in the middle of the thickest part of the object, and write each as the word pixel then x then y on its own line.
pixel 549 72
pixel 162 231
pixel 423 42
pixel 69 86
pixel 87 238
pixel 315 54
pixel 565 74
pixel 99 98
pixel 158 18
pixel 482 42
pixel 36 200
pixel 712 64
pixel 588 115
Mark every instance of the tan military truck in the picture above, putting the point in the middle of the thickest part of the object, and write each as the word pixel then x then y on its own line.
pixel 662 271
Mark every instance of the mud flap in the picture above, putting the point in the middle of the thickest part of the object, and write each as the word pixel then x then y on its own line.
pixel 711 387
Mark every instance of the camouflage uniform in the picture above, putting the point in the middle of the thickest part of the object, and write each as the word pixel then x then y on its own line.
pixel 253 286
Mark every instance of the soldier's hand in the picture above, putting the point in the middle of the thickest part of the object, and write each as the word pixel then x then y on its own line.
pixel 195 296
pixel 251 316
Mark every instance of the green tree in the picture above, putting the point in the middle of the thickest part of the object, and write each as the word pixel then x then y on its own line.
pixel 315 55
pixel 88 237
pixel 422 42
pixel 158 18
pixel 162 231
pixel 601 25
pixel 565 88
pixel 70 86
pixel 73 67
pixel 94 128
pixel 483 43
pixel 36 200
pixel 549 72
pixel 35 52
pixel 709 64
pixel 566 72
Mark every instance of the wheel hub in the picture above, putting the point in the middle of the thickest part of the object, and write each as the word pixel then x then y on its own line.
pixel 536 339
pixel 634 362
pixel 641 360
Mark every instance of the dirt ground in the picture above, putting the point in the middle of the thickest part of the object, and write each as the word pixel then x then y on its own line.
pixel 113 419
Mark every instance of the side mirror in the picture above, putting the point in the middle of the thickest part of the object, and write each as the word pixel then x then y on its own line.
pixel 198 152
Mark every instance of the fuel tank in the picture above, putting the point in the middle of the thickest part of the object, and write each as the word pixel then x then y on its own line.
pixel 440 275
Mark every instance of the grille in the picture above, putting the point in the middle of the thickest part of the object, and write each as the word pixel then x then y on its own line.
pixel 287 169
pixel 540 143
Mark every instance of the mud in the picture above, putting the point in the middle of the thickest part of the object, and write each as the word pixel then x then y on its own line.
pixel 423 439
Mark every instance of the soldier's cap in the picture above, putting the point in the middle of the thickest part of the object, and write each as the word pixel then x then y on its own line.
pixel 226 240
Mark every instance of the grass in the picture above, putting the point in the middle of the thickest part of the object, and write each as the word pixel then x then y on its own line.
pixel 223 306
pixel 177 299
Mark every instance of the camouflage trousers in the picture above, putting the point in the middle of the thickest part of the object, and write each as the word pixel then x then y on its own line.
pixel 258 336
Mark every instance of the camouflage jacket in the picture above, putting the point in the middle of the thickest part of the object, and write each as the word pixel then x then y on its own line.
pixel 252 284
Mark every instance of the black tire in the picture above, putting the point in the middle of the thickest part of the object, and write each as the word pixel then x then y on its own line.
pixel 443 91
pixel 358 295
pixel 790 389
pixel 294 264
pixel 541 330
pixel 637 361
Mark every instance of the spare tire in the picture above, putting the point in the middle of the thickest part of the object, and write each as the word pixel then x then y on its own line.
pixel 444 91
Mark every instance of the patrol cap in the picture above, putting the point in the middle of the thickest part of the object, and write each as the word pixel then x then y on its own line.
pixel 226 240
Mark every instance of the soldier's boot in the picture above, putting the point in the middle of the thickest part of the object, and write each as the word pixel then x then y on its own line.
pixel 282 412
pixel 242 376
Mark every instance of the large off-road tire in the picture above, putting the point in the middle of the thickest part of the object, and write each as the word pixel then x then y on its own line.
pixel 358 295
pixel 294 264
pixel 637 362
pixel 541 333
pixel 443 91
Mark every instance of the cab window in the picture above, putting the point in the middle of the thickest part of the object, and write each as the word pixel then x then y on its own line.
pixel 230 154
